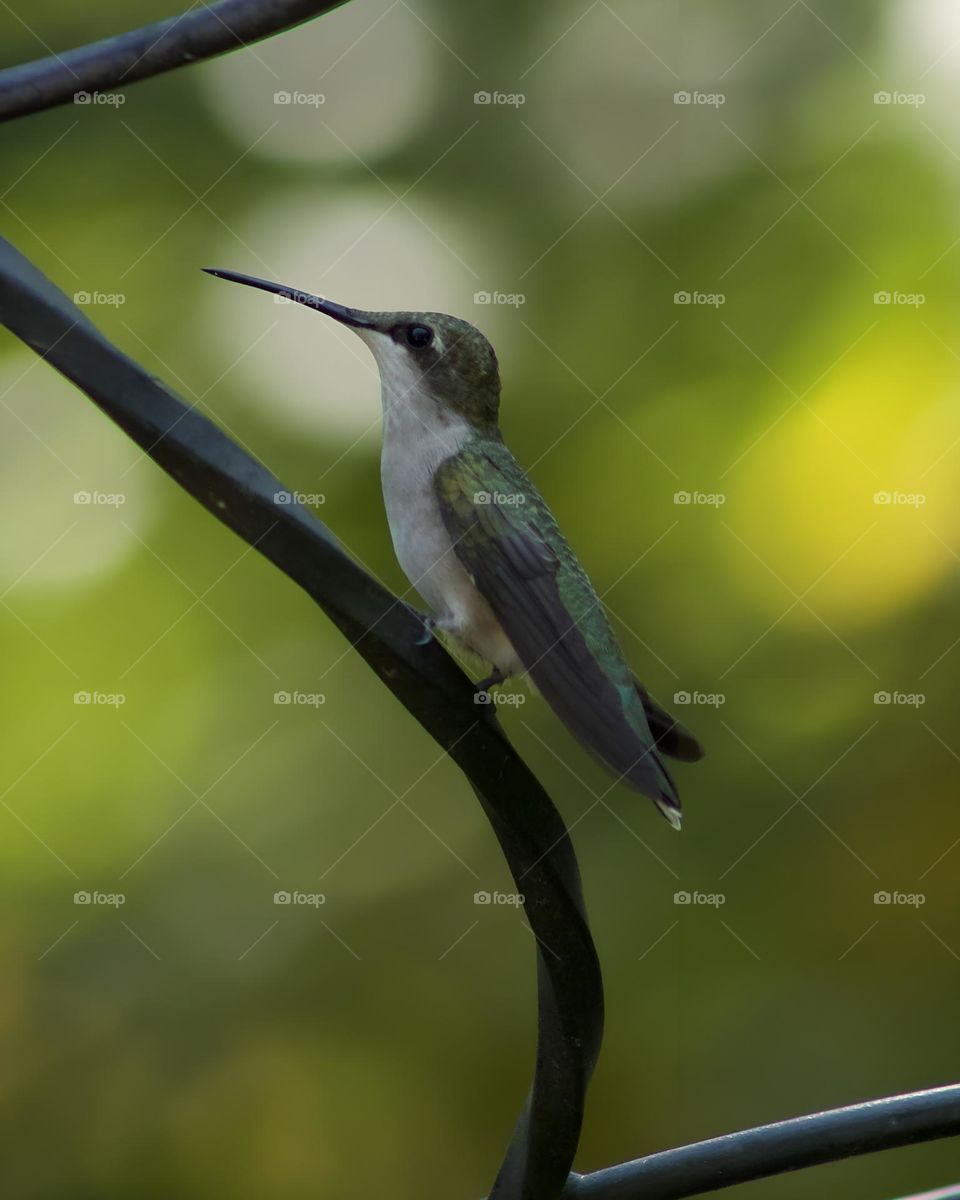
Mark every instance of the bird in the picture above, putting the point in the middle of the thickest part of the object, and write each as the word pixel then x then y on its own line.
pixel 479 543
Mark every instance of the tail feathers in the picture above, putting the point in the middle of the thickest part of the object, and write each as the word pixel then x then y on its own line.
pixel 649 775
pixel 668 800
pixel 663 791
pixel 672 738
pixel 670 809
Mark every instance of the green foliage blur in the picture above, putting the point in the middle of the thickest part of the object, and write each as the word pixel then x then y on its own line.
pixel 721 253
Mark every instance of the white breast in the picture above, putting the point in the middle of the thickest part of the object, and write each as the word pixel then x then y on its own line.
pixel 412 451
pixel 418 435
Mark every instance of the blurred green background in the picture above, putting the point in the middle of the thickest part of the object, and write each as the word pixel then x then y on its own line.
pixel 200 1040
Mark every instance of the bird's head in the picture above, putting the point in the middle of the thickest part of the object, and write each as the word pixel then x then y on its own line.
pixel 428 357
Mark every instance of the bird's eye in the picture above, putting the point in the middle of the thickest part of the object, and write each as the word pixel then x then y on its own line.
pixel 419 336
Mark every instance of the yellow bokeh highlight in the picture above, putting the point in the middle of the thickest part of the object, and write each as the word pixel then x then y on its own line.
pixel 853 487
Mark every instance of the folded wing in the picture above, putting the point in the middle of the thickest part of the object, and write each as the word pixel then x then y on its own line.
pixel 509 542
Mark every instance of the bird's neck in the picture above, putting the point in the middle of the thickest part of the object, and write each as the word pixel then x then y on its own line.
pixel 419 431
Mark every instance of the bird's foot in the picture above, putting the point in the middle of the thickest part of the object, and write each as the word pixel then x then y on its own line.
pixel 481 690
pixel 429 627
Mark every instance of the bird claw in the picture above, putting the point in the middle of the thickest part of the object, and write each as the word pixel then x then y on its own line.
pixel 426 637
pixel 482 689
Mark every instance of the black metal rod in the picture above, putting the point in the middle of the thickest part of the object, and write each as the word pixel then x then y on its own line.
pixel 809 1141
pixel 202 32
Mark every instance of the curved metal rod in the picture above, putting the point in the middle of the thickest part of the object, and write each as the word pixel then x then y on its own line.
pixel 809 1141
pixel 242 494
pixel 204 31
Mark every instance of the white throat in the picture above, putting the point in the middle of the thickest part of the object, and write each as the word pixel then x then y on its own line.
pixel 426 430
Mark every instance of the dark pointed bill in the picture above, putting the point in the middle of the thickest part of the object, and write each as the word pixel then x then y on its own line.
pixel 348 316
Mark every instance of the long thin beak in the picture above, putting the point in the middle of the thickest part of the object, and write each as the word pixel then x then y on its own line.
pixel 348 316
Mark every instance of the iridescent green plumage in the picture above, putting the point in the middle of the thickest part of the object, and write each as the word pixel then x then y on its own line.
pixel 510 543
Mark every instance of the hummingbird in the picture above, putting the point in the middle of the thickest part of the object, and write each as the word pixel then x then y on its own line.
pixel 477 540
